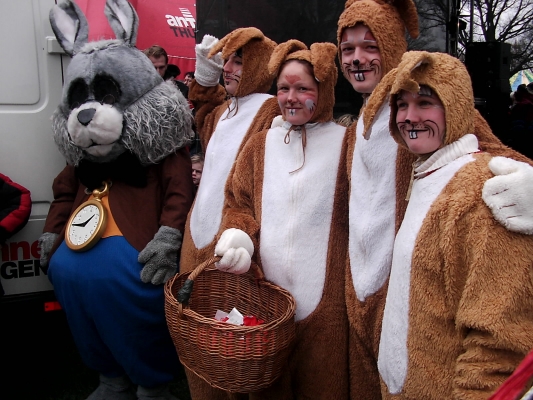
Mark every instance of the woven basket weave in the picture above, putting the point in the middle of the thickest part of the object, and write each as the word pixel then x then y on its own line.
pixel 234 358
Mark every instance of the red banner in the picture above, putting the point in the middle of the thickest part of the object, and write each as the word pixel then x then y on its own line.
pixel 168 23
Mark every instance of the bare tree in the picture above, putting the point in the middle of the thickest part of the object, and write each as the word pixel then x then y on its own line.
pixel 509 21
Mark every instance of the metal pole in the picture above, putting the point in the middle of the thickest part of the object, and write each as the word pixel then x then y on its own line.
pixel 471 21
pixel 447 29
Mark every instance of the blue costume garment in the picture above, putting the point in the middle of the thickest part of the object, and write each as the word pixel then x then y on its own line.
pixel 111 311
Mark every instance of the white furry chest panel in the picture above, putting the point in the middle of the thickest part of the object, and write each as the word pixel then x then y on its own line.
pixel 393 352
pixel 372 208
pixel 297 210
pixel 220 156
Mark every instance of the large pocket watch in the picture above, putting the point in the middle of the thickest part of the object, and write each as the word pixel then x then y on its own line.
pixel 87 224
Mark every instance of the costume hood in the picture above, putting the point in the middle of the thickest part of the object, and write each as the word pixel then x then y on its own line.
pixel 445 75
pixel 256 51
pixel 113 98
pixel 387 20
pixel 321 56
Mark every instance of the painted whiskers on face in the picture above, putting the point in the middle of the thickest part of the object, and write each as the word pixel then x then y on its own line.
pixel 361 58
pixel 421 121
pixel 232 72
pixel 236 76
pixel 407 128
pixel 358 69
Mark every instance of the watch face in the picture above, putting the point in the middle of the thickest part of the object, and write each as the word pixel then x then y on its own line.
pixel 86 226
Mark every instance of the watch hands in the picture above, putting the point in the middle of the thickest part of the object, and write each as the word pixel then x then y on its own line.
pixel 84 223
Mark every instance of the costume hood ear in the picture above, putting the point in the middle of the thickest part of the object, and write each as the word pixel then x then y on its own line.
pixel 123 20
pixel 70 26
pixel 235 40
pixel 410 62
pixel 409 15
pixel 379 96
pixel 323 60
pixel 280 53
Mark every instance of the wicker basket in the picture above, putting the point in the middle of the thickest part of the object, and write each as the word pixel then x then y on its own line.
pixel 234 358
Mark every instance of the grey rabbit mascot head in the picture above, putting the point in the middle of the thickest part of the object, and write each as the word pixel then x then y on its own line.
pixel 114 101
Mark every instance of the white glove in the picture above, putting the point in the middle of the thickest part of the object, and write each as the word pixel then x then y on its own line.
pixel 277 121
pixel 236 249
pixel 510 194
pixel 208 70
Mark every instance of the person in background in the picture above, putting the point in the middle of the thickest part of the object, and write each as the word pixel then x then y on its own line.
pixel 521 116
pixel 172 72
pixel 15 209
pixel 459 306
pixel 197 161
pixel 189 76
pixel 159 57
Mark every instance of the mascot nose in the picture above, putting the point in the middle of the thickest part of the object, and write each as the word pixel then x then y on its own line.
pixel 85 116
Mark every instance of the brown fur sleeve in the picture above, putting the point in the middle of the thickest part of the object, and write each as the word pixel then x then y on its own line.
pixel 242 208
pixel 263 119
pixel 490 285
pixel 205 100
pixel 350 143
pixel 491 144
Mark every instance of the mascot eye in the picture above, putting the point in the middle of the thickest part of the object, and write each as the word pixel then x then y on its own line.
pixel 78 94
pixel 106 90
pixel 108 99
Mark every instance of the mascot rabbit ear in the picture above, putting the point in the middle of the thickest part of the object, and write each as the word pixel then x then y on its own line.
pixel 70 26
pixel 123 20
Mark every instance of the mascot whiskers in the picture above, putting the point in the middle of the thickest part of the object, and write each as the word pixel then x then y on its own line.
pixel 114 230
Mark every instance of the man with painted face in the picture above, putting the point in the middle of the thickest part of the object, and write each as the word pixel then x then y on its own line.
pixel 457 318
pixel 226 118
pixel 371 42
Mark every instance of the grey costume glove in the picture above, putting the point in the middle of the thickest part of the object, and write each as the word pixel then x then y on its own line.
pixel 46 242
pixel 160 256
pixel 208 70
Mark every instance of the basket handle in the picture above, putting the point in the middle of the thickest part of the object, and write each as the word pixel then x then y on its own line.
pixel 184 293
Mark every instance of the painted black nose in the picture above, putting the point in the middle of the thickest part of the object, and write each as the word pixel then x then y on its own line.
pixel 356 62
pixel 85 116
pixel 407 121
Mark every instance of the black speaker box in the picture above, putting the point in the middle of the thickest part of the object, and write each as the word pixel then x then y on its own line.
pixel 488 64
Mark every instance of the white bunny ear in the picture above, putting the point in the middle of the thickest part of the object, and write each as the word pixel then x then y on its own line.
pixel 123 20
pixel 70 26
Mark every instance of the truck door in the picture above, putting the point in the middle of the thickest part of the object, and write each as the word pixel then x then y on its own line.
pixel 31 77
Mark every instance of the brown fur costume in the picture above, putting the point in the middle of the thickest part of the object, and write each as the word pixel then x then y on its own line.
pixel 214 118
pixel 210 105
pixel 286 245
pixel 386 171
pixel 468 317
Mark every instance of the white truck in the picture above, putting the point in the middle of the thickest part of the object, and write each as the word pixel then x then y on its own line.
pixel 31 74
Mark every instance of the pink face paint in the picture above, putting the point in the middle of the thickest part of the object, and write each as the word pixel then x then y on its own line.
pixel 292 79
pixel 297 92
pixel 369 37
